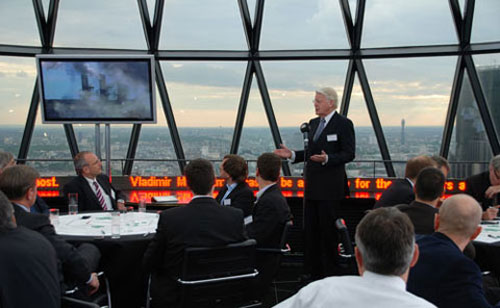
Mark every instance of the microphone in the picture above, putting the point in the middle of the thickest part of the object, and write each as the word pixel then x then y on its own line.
pixel 304 128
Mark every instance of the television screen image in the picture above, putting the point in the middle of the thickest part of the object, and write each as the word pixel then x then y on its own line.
pixel 96 89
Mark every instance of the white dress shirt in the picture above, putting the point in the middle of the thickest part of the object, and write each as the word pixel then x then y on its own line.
pixel 107 198
pixel 372 290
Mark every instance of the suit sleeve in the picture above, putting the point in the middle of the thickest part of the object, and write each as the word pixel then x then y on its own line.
pixel 263 222
pixel 347 142
pixel 244 201
pixel 471 292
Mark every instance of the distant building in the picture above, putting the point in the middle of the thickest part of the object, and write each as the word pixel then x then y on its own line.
pixel 472 144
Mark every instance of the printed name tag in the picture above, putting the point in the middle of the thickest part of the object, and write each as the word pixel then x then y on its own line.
pixel 247 220
pixel 332 137
pixel 227 201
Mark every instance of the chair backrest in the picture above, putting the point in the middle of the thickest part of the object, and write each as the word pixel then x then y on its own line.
pixel 219 276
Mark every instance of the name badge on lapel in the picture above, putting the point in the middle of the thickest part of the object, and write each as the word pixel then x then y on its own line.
pixel 227 201
pixel 332 137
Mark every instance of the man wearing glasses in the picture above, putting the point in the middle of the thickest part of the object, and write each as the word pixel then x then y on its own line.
pixel 485 187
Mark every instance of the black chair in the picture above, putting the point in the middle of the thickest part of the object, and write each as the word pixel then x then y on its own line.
pixel 346 248
pixel 99 300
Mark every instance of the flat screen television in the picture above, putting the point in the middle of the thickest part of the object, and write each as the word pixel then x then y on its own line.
pixel 97 88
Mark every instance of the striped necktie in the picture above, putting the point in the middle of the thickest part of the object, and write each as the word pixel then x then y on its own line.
pixel 100 197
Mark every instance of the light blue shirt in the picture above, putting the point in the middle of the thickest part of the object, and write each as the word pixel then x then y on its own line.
pixel 230 188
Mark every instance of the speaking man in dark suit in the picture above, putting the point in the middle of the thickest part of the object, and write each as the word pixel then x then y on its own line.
pixel 401 190
pixel 95 192
pixel 331 146
pixel 235 192
pixel 485 186
pixel 270 214
pixel 444 275
pixel 78 264
pixel 201 223
pixel 28 265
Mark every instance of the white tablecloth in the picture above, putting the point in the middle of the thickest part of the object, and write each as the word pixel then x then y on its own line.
pixel 490 232
pixel 99 224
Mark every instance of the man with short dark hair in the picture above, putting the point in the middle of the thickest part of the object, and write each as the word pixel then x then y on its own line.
pixel 95 192
pixel 236 192
pixel 401 190
pixel 78 264
pixel 28 265
pixel 429 188
pixel 385 252
pixel 201 223
pixel 443 274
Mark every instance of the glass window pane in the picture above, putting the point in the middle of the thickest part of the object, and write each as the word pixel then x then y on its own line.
pixel 367 149
pixel 17 81
pixel 18 24
pixel 256 137
pixel 488 70
pixel 412 97
pixel 469 143
pixel 408 23
pixel 486 22
pixel 291 86
pixel 205 99
pixel 99 24
pixel 193 24
pixel 297 24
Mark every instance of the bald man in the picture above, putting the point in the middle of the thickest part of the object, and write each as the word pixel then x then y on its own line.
pixel 444 275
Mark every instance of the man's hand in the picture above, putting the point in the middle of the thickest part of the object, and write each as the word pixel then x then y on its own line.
pixel 319 158
pixel 283 152
pixel 490 213
pixel 492 191
pixel 120 204
pixel 93 284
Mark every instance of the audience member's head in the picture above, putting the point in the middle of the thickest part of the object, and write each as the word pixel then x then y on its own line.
pixel 429 185
pixel 200 176
pixel 416 164
pixel 459 216
pixel 87 164
pixel 495 170
pixel 6 160
pixel 442 164
pixel 19 183
pixel 235 167
pixel 330 94
pixel 385 241
pixel 268 167
pixel 6 214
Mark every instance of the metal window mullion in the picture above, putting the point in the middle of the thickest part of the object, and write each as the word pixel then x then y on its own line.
pixel 348 86
pixel 30 125
pixel 452 107
pixel 257 25
pixel 358 24
pixel 372 111
pixel 52 21
pixel 157 20
pixel 266 100
pixel 146 22
pixel 41 22
pixel 457 18
pixel 169 115
pixel 348 23
pixel 70 137
pixel 132 149
pixel 467 22
pixel 240 117
pixel 246 20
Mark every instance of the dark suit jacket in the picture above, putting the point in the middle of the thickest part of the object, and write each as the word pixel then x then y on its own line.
pixel 444 276
pixel 201 223
pixel 329 181
pixel 40 206
pixel 477 186
pixel 73 264
pixel 399 192
pixel 87 199
pixel 28 270
pixel 421 215
pixel 241 197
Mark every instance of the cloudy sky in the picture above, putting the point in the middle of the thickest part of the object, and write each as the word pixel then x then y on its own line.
pixel 208 93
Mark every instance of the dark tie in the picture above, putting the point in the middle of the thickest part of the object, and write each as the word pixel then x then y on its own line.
pixel 100 196
pixel 319 129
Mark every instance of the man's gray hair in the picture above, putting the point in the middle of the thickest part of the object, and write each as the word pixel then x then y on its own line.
pixel 5 159
pixel 495 162
pixel 80 161
pixel 330 94
pixel 6 213
pixel 386 240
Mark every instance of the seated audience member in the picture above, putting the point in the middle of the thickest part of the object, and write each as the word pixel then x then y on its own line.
pixel 484 187
pixel 385 252
pixel 28 265
pixel 95 192
pixel 270 214
pixel 201 223
pixel 236 192
pixel 401 190
pixel 429 187
pixel 443 275
pixel 442 164
pixel 7 160
pixel 77 264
